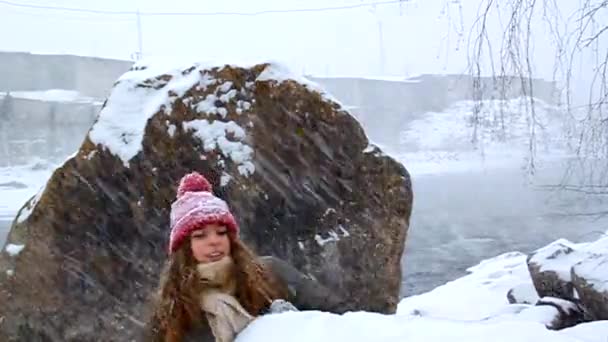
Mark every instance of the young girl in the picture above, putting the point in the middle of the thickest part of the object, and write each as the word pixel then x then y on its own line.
pixel 212 285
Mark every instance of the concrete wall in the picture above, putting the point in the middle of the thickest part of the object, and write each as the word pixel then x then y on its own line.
pixel 91 76
pixel 15 111
pixel 43 129
pixel 50 129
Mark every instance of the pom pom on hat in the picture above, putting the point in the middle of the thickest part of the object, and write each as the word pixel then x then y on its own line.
pixel 193 182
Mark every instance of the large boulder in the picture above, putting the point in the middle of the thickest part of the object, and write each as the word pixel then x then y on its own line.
pixel 298 171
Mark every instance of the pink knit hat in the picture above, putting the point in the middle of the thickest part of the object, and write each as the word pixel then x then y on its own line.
pixel 195 207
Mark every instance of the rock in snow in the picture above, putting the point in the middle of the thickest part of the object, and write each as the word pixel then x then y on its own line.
pixel 574 272
pixel 550 269
pixel 568 313
pixel 590 279
pixel 277 148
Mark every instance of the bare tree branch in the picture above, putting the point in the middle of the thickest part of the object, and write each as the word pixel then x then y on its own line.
pixel 575 37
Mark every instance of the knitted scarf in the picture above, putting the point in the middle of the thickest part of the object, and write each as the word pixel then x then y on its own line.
pixel 227 318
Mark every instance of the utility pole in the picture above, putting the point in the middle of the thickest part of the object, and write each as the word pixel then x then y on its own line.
pixel 139 37
pixel 381 48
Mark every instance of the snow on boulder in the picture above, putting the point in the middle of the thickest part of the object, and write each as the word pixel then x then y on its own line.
pixel 288 160
pixel 550 269
pixel 568 313
pixel 574 272
pixel 523 293
pixel 590 279
pixel 13 250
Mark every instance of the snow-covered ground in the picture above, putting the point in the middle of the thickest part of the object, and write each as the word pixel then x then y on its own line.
pixel 472 308
pixel 449 142
pixel 53 95
pixel 17 185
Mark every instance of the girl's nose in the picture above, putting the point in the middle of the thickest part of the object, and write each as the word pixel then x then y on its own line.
pixel 214 239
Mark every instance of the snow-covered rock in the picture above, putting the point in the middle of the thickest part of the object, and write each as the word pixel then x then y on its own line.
pixel 590 279
pixel 574 272
pixel 550 269
pixel 568 313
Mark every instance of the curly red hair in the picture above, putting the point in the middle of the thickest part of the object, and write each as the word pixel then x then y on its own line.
pixel 176 306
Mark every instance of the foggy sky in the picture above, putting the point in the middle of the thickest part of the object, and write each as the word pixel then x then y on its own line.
pixel 415 37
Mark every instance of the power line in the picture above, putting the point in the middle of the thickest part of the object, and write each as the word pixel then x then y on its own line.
pixel 296 10
pixel 67 16
pixel 254 13
pixel 67 9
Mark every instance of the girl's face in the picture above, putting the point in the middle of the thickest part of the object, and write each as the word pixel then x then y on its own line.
pixel 210 243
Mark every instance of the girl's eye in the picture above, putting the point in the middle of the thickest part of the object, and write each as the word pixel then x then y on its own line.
pixel 222 232
pixel 198 236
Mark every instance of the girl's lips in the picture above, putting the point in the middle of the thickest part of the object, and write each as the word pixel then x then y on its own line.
pixel 215 256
